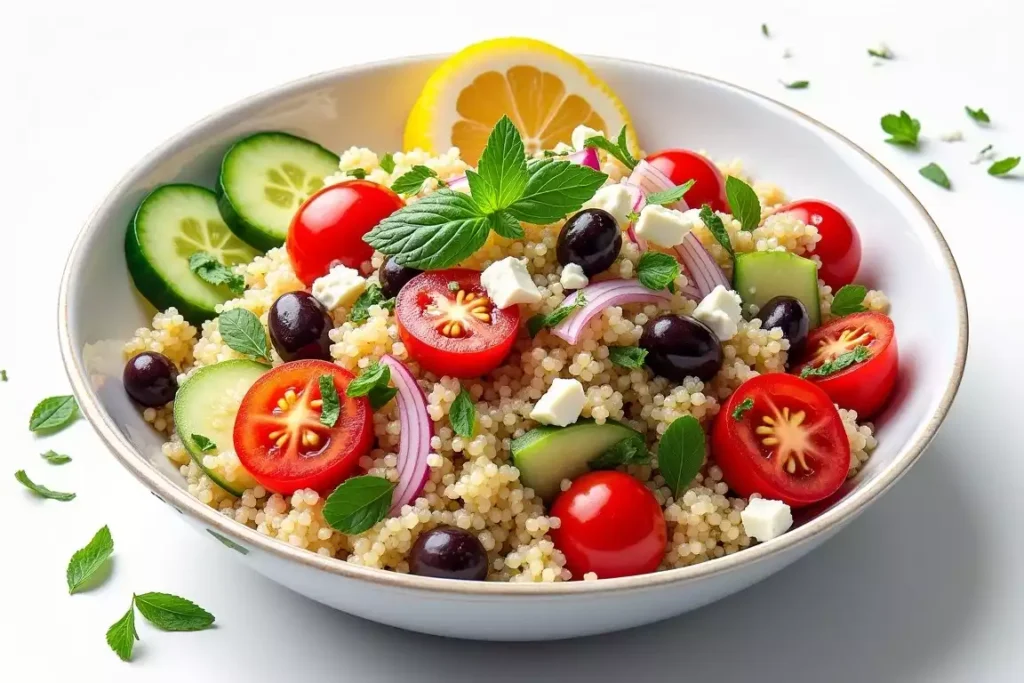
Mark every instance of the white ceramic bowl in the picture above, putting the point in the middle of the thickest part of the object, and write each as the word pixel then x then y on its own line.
pixel 904 254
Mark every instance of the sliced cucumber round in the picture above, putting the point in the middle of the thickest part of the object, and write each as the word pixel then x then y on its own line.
pixel 264 178
pixel 204 415
pixel 172 223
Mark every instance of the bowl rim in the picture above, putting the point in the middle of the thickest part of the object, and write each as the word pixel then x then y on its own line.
pixel 162 486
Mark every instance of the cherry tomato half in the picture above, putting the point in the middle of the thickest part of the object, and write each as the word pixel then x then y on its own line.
pixel 449 325
pixel 279 437
pixel 862 386
pixel 611 525
pixel 329 227
pixel 790 446
pixel 839 248
pixel 681 165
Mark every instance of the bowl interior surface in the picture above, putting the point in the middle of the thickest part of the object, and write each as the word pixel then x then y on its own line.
pixel 366 106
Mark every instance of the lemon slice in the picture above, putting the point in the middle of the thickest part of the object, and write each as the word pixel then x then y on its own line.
pixel 546 92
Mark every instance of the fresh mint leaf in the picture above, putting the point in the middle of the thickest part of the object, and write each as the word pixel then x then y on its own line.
pixel 3 375
pixel 378 374
pixel 412 180
pixel 373 294
pixel 880 51
pixel 714 225
pixel 743 202
pixel 502 169
pixel 681 453
pixel 171 613
pixel 55 458
pixel 243 332
pixel 796 85
pixel 540 321
pixel 979 115
pixel 214 272
pixel 670 195
pixel 436 232
pixel 841 362
pixel 555 188
pixel 462 414
pixel 740 410
pixel 357 173
pixel 41 490
pixel 764 31
pixel 619 150
pixel 656 270
pixel 934 173
pixel 358 503
pixel 204 443
pixel 849 299
pixel 121 636
pixel 902 129
pixel 623 142
pixel 506 225
pixel 1003 166
pixel 330 408
pixel 53 413
pixel 380 396
pixel 387 162
pixel 85 562
pixel 629 451
pixel 631 357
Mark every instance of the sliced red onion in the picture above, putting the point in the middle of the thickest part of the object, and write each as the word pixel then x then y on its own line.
pixel 586 157
pixel 639 202
pixel 600 296
pixel 651 179
pixel 701 267
pixel 414 442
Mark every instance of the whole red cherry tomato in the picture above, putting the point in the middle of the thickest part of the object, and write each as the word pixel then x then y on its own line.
pixel 839 248
pixel 682 165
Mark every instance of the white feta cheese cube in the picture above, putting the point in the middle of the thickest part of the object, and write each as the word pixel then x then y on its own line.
pixel 580 135
pixel 663 226
pixel 508 282
pixel 720 310
pixel 573 277
pixel 766 519
pixel 952 136
pixel 340 287
pixel 561 405
pixel 616 200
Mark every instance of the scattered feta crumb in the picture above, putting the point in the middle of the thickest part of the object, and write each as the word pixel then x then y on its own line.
pixel 880 50
pixel 563 148
pixel 573 277
pixel 340 287
pixel 580 135
pixel 508 282
pixel 986 154
pixel 721 311
pixel 562 404
pixel 663 226
pixel 786 53
pixel 766 519
pixel 616 200
pixel 952 136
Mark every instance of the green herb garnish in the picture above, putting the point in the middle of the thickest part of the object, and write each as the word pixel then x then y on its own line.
pixel 764 31
pixel 740 410
pixel 216 273
pixel 387 162
pixel 934 173
pixel 743 201
pixel 358 503
pixel 902 129
pixel 881 52
pixel 373 294
pixel 979 115
pixel 795 85
pixel 380 396
pixel 1003 166
pixel 412 180
pixel 3 375
pixel 670 195
pixel 618 149
pixel 629 451
pixel 714 224
pixel 330 408
pixel 631 357
pixel 204 443
pixel 85 562
pixel 506 225
pixel 681 453
pixel 378 374
pixel 243 332
pixel 657 271
pixel 55 458
pixel 171 613
pixel 41 490
pixel 841 362
pixel 462 414
pixel 541 321
pixel 849 299
pixel 53 413
pixel 357 173
pixel 121 636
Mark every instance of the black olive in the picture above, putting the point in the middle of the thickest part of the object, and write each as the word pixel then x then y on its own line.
pixel 591 239
pixel 791 315
pixel 449 553
pixel 299 327
pixel 151 379
pixel 393 277
pixel 679 347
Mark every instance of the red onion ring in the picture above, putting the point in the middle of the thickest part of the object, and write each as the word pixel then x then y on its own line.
pixel 639 202
pixel 600 296
pixel 414 441
pixel 651 180
pixel 700 265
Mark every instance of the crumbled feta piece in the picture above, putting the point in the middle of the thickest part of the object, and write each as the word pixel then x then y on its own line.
pixel 562 148
pixel 340 287
pixel 720 310
pixel 561 405
pixel 766 519
pixel 952 136
pixel 881 50
pixel 663 226
pixel 573 277
pixel 616 200
pixel 580 135
pixel 508 282
pixel 786 53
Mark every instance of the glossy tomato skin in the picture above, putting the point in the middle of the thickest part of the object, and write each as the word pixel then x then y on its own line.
pixel 297 464
pixel 839 248
pixel 426 304
pixel 682 165
pixel 750 466
pixel 329 226
pixel 611 525
pixel 865 386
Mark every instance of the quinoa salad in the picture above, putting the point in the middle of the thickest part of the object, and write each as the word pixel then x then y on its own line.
pixel 547 354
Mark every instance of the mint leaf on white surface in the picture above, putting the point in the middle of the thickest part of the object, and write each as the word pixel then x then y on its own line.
pixel 796 85
pixel 978 115
pixel 934 173
pixel 53 413
pixel 171 613
pixel 85 562
pixel 903 129
pixel 41 490
pixel 55 458
pixel 1003 166
pixel 121 636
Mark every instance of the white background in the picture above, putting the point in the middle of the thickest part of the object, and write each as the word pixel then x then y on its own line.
pixel 926 586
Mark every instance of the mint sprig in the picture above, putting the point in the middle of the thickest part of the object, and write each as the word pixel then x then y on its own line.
pixel 618 149
pixel 902 129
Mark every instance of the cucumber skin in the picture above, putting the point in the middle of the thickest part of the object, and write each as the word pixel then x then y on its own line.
pixel 149 283
pixel 250 234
